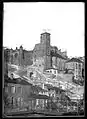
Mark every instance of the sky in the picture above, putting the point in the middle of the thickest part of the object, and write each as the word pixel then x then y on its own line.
pixel 24 22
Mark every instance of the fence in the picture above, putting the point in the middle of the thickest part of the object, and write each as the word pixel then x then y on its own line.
pixel 57 106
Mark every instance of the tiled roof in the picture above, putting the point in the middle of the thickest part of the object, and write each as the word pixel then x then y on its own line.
pixel 74 60
pixel 39 96
pixel 17 81
pixel 58 55
pixel 11 69
pixel 45 33
pixel 51 68
pixel 22 73
pixel 28 51
pixel 55 88
pixel 38 88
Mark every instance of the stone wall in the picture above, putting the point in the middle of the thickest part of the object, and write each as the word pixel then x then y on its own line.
pixel 28 58
pixel 21 57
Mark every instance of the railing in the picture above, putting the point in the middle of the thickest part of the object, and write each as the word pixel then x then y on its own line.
pixel 57 106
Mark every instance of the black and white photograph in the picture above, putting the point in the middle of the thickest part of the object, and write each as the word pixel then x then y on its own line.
pixel 43 59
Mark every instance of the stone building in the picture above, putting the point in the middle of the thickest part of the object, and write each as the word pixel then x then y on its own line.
pixel 49 56
pixel 6 53
pixel 53 71
pixel 17 91
pixel 20 57
pixel 76 66
pixel 43 50
pixel 22 95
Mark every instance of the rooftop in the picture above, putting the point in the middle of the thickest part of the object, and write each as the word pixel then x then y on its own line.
pixel 17 81
pixel 39 96
pixel 58 55
pixel 45 33
pixel 74 60
pixel 52 68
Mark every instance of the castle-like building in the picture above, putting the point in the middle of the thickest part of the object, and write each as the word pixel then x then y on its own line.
pixel 53 58
pixel 43 52
pixel 20 57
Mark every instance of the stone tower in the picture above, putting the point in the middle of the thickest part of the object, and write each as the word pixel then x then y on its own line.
pixel 11 56
pixel 21 59
pixel 45 43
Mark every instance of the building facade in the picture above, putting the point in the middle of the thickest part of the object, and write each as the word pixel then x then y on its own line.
pixel 6 54
pixel 20 57
pixel 17 92
pixel 76 66
pixel 21 95
pixel 51 55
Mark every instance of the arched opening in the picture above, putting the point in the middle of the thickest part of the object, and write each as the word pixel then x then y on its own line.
pixel 31 73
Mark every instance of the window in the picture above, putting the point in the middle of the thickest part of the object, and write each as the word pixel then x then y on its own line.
pixel 13 89
pixel 19 90
pixel 10 100
pixel 37 101
pixel 16 55
pixel 18 101
pixel 23 55
pixel 54 72
pixel 76 65
pixel 76 76
pixel 79 66
pixel 48 52
pixel 14 101
pixel 6 89
pixel 21 101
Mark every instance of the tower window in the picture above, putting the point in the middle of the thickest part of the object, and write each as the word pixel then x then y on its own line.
pixel 16 55
pixel 54 72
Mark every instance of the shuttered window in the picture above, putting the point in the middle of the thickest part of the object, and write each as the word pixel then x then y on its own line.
pixel 18 101
pixel 76 65
pixel 6 89
pixel 54 72
pixel 19 90
pixel 13 89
